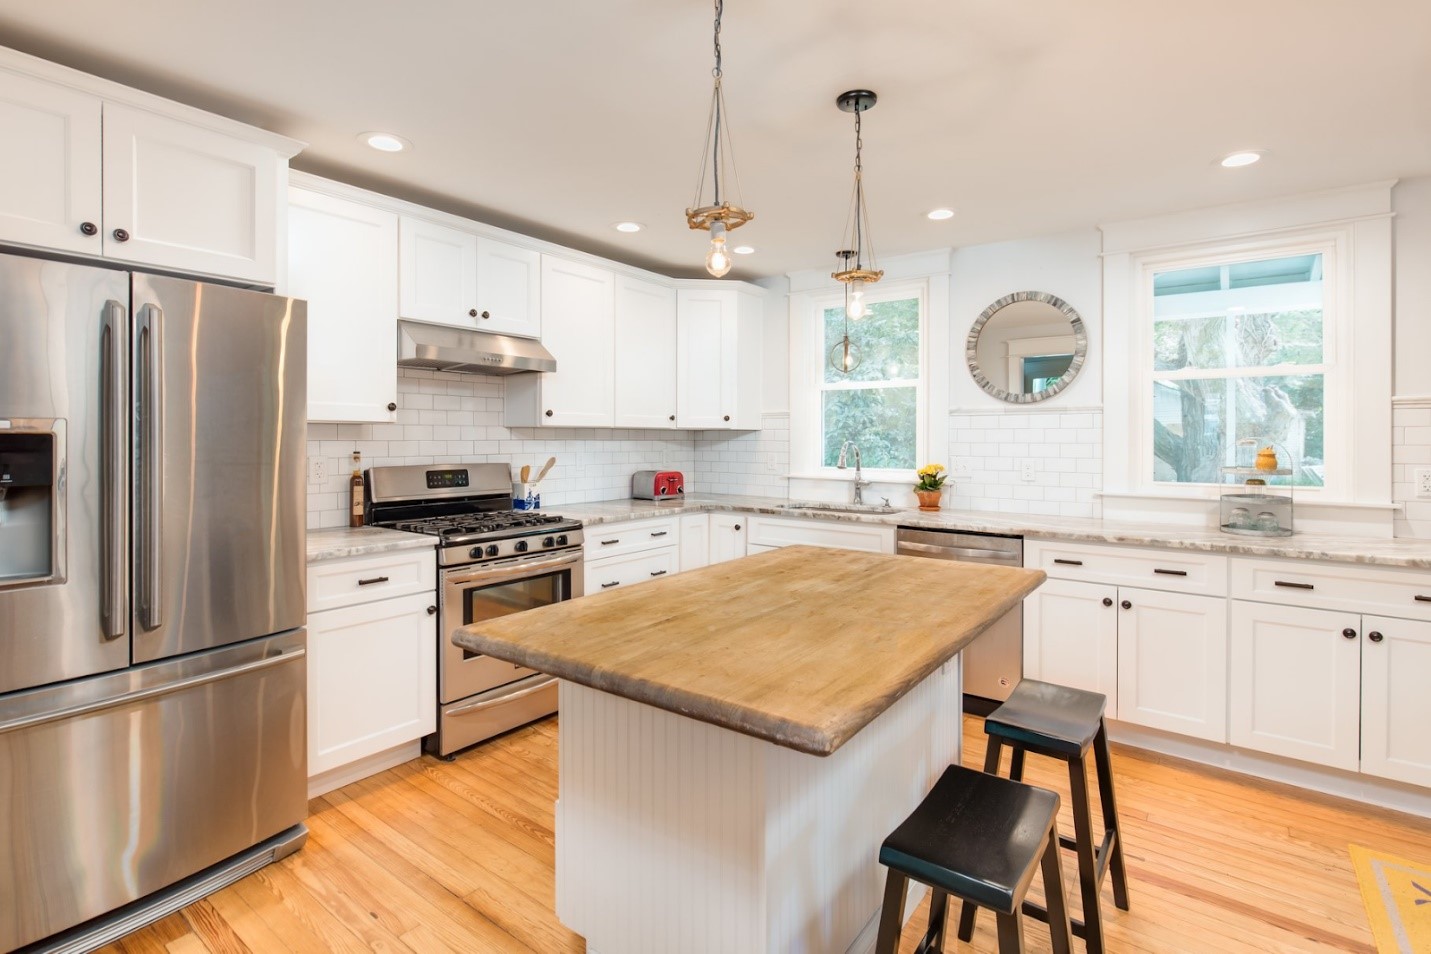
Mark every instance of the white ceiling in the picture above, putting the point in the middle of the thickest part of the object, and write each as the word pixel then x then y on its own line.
pixel 561 118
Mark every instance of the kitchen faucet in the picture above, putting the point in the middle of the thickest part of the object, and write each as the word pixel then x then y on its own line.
pixel 860 482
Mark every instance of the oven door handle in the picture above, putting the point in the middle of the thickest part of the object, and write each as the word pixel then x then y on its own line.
pixel 489 703
pixel 513 569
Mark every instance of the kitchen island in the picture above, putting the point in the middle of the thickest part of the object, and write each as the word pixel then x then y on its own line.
pixel 736 741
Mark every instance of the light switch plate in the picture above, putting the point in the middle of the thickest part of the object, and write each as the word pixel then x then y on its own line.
pixel 962 470
pixel 1027 473
pixel 1423 481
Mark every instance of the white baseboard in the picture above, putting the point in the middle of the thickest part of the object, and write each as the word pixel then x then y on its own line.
pixel 357 771
pixel 1350 785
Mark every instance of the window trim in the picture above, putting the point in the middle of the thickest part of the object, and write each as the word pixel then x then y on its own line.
pixel 1334 246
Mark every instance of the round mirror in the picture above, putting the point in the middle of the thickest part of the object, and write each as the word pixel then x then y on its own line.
pixel 1026 347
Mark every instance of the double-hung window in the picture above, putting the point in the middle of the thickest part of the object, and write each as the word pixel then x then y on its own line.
pixel 878 405
pixel 1242 355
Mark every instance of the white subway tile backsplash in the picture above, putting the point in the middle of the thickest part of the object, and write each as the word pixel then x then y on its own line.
pixel 1410 452
pixel 1065 446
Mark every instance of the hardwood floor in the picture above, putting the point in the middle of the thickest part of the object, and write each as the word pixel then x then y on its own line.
pixel 435 856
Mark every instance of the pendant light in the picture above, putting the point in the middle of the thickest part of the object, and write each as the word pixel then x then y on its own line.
pixel 721 215
pixel 857 257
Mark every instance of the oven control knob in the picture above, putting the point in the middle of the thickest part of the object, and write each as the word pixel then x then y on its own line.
pixel 549 542
pixel 493 549
pixel 521 546
pixel 561 540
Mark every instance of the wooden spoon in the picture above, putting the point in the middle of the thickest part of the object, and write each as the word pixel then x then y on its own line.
pixel 551 462
pixel 526 472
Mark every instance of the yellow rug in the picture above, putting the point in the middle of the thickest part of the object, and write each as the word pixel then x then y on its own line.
pixel 1397 895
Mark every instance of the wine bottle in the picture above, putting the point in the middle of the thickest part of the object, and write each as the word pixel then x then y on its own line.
pixel 355 489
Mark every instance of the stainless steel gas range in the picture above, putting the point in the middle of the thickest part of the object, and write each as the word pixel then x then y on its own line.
pixel 491 561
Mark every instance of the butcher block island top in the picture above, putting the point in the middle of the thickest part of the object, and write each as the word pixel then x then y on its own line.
pixel 801 646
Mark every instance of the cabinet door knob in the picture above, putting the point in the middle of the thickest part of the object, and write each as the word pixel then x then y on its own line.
pixel 549 412
pixel 486 315
pixel 726 418
pixel 120 235
pixel 673 417
pixel 737 526
pixel 1374 636
pixel 1126 604
pixel 392 405
pixel 1107 601
pixel 89 228
pixel 1349 633
pixel 472 313
pixel 432 611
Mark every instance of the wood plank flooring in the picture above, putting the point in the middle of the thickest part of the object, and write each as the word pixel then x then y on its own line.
pixel 434 856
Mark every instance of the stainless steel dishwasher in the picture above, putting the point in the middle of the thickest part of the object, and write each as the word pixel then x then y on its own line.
pixel 994 662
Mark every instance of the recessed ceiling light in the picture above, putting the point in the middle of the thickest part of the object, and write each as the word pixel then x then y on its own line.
pixel 939 215
pixel 628 226
pixel 1240 159
pixel 743 249
pixel 384 142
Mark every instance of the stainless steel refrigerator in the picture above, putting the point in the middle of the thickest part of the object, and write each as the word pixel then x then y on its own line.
pixel 152 571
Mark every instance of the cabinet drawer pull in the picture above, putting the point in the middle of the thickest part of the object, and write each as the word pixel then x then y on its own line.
pixel 1294 586
pixel 1170 572
pixel 607 586
pixel 372 580
pixel 1068 562
pixel 659 533
pixel 607 543
pixel 1423 599
pixel 658 572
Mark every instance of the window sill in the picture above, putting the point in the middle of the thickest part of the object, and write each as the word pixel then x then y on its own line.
pixel 1304 497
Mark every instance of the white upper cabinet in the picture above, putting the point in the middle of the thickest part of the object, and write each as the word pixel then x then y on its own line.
pixel 50 166
pixel 342 259
pixel 509 286
pixel 94 168
pixel 455 277
pixel 577 302
pixel 718 347
pixel 437 273
pixel 645 354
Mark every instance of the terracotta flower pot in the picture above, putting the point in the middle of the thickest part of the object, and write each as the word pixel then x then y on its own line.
pixel 928 499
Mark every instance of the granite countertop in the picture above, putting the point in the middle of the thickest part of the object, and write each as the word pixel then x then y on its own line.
pixel 768 646
pixel 1382 551
pixel 342 542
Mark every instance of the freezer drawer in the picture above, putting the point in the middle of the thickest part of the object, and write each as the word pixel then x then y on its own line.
pixel 119 785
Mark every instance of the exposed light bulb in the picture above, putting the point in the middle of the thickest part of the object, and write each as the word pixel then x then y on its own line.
pixel 856 308
pixel 718 260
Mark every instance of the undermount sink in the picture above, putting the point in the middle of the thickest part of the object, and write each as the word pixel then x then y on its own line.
pixel 839 508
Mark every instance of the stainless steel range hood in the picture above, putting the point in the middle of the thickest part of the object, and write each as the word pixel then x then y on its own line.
pixel 443 348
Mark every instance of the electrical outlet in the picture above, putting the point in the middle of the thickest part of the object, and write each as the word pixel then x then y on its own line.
pixel 1026 472
pixel 962 470
pixel 1423 481
pixel 317 470
pixel 772 463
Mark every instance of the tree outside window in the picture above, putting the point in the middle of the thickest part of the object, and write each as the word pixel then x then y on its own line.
pixel 876 404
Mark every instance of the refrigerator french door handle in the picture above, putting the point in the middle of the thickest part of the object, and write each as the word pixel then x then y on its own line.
pixel 113 610
pixel 151 457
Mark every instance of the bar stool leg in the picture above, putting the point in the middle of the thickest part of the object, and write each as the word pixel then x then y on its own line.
pixel 938 917
pixel 1060 935
pixel 1016 764
pixel 1011 933
pixel 1087 856
pixel 968 911
pixel 891 917
pixel 1110 817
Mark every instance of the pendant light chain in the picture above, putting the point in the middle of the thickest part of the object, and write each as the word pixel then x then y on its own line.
pixel 719 106
pixel 720 215
pixel 859 190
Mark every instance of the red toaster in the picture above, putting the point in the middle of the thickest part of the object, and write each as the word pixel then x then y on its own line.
pixel 657 484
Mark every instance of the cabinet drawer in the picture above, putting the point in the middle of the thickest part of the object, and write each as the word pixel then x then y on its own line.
pixel 613 539
pixel 608 574
pixel 1182 571
pixel 335 583
pixel 1384 590
pixel 782 532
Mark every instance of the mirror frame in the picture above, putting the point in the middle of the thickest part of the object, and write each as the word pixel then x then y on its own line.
pixel 1080 348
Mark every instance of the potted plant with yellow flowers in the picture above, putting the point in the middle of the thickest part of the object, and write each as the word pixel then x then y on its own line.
pixel 930 486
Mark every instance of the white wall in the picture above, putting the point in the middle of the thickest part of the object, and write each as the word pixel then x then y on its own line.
pixel 777 345
pixel 1411 201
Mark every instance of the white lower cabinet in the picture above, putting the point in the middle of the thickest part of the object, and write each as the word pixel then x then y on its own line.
pixel 727 536
pixel 631 551
pixel 612 572
pixel 1334 688
pixel 1071 637
pixel 695 541
pixel 372 679
pixel 372 661
pixel 1172 662
pixel 837 534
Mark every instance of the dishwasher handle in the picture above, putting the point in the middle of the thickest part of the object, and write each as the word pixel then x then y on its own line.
pixel 909 548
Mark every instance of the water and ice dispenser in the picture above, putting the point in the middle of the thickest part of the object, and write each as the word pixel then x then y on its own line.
pixel 31 517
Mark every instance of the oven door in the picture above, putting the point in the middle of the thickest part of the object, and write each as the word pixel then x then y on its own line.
pixel 476 593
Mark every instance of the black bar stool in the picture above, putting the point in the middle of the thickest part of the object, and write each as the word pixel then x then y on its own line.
pixel 1064 723
pixel 978 837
